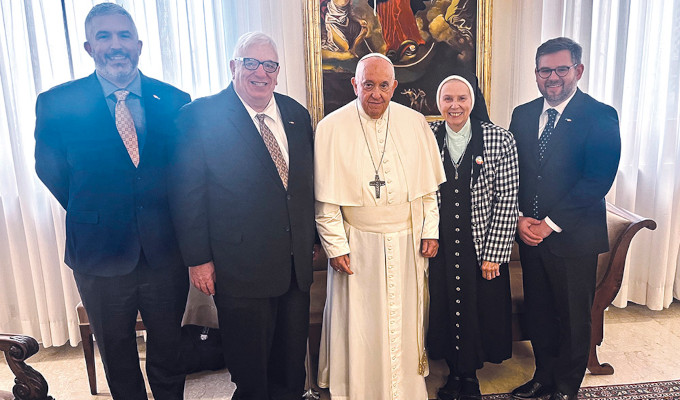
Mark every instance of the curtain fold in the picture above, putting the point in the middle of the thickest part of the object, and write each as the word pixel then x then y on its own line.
pixel 637 70
pixel 38 295
pixel 187 43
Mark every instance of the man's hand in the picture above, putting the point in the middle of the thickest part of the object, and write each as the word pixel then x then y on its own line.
pixel 341 264
pixel 429 247
pixel 528 236
pixel 203 277
pixel 542 229
pixel 490 270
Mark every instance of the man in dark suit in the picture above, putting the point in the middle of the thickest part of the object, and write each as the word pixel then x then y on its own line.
pixel 101 149
pixel 569 148
pixel 243 205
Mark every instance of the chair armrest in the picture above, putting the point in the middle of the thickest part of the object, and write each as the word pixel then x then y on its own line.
pixel 612 272
pixel 29 383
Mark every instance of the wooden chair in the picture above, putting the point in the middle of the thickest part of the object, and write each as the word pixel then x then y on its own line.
pixel 29 383
pixel 623 226
pixel 88 344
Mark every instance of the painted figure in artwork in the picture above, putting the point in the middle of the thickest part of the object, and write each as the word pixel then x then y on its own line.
pixel 399 26
pixel 344 31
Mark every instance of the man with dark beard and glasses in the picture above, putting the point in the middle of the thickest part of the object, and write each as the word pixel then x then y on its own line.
pixel 101 149
pixel 569 147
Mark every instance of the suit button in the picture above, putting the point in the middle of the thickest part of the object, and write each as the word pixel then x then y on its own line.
pixel 288 229
pixel 288 196
pixel 140 207
pixel 540 178
pixel 139 178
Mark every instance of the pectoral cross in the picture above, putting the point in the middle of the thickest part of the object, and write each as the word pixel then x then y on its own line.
pixel 376 183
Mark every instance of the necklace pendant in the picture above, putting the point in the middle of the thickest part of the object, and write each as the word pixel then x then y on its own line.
pixel 377 183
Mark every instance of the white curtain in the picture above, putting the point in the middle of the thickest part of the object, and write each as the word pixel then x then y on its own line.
pixel 187 43
pixel 37 293
pixel 632 58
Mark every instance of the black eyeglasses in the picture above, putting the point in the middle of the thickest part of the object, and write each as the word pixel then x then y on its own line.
pixel 253 64
pixel 560 71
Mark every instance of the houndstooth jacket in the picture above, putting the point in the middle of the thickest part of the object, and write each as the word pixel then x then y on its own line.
pixel 494 193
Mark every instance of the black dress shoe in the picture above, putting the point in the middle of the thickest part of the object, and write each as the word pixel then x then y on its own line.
pixel 470 389
pixel 450 391
pixel 561 396
pixel 532 390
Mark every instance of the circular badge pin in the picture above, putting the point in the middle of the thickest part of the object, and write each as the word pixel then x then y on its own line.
pixel 479 160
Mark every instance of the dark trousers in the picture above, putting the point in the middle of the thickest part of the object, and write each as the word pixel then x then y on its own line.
pixel 265 342
pixel 558 297
pixel 112 304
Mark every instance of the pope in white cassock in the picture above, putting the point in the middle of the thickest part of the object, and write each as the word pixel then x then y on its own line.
pixel 376 173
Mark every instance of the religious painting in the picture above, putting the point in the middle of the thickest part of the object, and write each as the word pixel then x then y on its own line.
pixel 426 40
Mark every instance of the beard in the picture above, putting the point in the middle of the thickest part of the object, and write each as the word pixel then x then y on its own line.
pixel 556 97
pixel 115 69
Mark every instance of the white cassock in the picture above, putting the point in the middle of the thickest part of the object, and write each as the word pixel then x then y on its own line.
pixel 372 340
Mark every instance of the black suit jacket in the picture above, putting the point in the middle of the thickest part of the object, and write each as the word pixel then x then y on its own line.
pixel 577 171
pixel 229 204
pixel 113 210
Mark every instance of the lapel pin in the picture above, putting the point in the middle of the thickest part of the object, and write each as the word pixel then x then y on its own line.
pixel 291 122
pixel 479 160
pixel 568 119
pixel 155 96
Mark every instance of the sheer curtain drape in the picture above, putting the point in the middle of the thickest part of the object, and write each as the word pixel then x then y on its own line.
pixel 187 43
pixel 632 58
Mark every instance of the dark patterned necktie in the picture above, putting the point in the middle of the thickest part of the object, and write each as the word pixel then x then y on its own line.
pixel 542 144
pixel 126 126
pixel 274 150
pixel 547 132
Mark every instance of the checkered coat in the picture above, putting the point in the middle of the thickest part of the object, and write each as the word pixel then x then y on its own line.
pixel 494 194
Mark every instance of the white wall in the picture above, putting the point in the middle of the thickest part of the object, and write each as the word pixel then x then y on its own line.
pixel 513 47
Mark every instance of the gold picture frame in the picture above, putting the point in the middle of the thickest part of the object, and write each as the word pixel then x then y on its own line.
pixel 315 61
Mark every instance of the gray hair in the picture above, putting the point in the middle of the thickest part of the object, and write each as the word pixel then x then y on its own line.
pixel 106 9
pixel 252 38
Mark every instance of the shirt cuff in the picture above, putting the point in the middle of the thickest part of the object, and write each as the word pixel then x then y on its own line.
pixel 552 225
